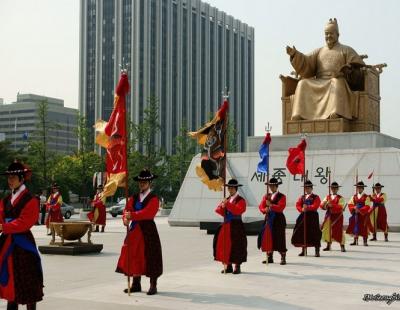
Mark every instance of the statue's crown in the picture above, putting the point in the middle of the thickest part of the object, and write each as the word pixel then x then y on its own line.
pixel 333 22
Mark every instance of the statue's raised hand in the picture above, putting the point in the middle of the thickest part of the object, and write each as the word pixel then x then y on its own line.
pixel 290 50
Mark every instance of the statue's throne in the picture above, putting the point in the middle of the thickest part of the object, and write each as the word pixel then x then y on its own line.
pixel 366 111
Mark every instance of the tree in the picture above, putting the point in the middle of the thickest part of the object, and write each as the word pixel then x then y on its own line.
pixel 39 157
pixel 89 162
pixel 232 134
pixel 179 162
pixel 7 155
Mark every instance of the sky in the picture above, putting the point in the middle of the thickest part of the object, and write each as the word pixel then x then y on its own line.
pixel 39 47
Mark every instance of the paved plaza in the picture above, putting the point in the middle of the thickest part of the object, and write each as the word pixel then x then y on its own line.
pixel 192 280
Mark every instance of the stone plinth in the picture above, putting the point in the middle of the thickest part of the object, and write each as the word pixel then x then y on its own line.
pixel 318 126
pixel 332 141
pixel 71 248
pixel 71 231
pixel 343 154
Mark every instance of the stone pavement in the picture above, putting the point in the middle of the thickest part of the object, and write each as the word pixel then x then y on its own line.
pixel 192 280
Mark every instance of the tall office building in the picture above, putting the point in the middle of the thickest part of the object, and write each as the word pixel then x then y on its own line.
pixel 184 52
pixel 18 122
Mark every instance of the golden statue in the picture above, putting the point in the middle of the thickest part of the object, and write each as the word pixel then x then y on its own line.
pixel 328 77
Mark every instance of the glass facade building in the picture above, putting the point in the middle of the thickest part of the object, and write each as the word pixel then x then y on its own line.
pixel 184 52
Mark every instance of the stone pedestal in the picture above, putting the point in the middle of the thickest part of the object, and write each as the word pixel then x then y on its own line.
pixel 342 153
pixel 71 231
pixel 71 248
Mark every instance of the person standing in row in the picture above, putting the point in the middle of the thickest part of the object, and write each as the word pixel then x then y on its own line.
pixel 141 252
pixel 332 227
pixel 43 200
pixel 98 214
pixel 378 215
pixel 273 234
pixel 53 207
pixel 21 277
pixel 230 241
pixel 308 220
pixel 359 222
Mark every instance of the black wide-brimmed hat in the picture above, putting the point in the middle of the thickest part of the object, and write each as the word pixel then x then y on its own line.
pixel 360 184
pixel 335 185
pixel 17 168
pixel 308 183
pixel 233 183
pixel 145 175
pixel 273 181
pixel 378 185
pixel 55 185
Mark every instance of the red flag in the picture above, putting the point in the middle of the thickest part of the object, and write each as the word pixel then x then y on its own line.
pixel 370 175
pixel 112 136
pixel 296 159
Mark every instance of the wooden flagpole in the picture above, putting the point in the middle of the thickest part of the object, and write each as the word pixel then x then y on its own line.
pixel 373 209
pixel 305 175
pixel 125 70
pixel 268 129
pixel 225 96
pixel 330 211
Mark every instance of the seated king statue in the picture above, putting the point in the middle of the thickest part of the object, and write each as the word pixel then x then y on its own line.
pixel 327 77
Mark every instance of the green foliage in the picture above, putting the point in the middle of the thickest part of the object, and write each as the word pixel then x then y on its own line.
pixel 170 169
pixel 75 172
pixel 232 137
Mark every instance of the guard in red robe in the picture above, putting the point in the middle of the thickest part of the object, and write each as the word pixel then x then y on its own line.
pixel 273 233
pixel 21 277
pixel 230 241
pixel 359 222
pixel 378 215
pixel 141 252
pixel 308 220
pixel 332 227
pixel 98 214
pixel 53 207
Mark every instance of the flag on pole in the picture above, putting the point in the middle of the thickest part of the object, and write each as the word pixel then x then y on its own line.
pixel 212 137
pixel 112 136
pixel 264 154
pixel 296 158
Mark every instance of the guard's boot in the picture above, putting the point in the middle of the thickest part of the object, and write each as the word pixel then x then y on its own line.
pixel 237 269
pixel 365 241
pixel 31 306
pixel 373 237
pixel 342 248
pixel 270 258
pixel 317 251
pixel 153 287
pixel 136 286
pixel 303 252
pixel 228 269
pixel 355 242
pixel 386 237
pixel 328 247
pixel 283 258
pixel 12 305
pixel 97 228
pixel 102 228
